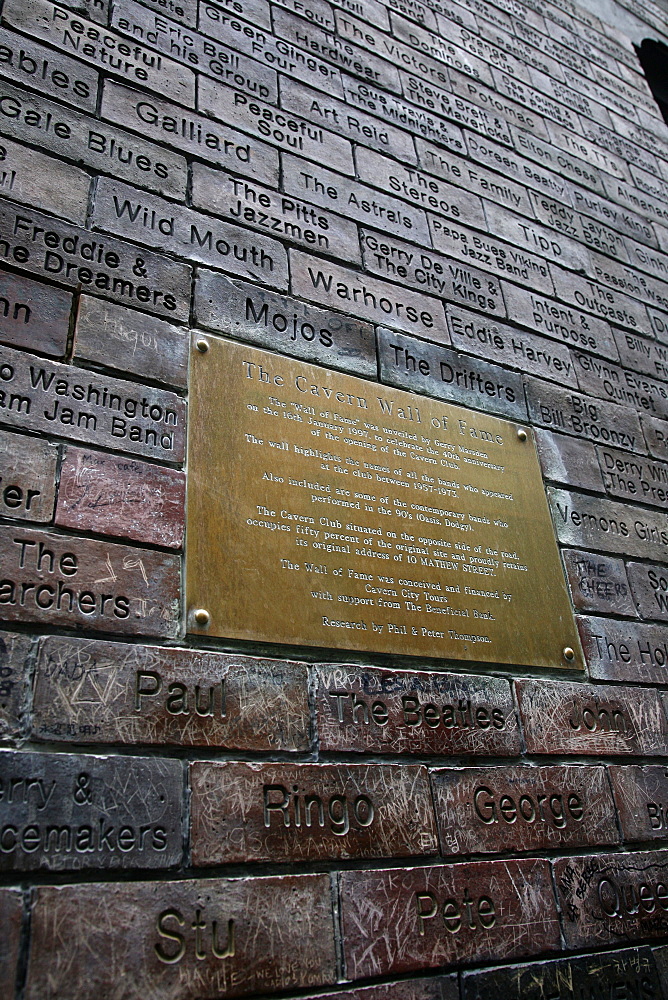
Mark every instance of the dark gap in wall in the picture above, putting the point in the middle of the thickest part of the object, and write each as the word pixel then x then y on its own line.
pixel 653 56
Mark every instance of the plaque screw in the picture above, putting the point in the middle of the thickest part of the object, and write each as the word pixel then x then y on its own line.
pixel 202 346
pixel 521 434
pixel 202 616
pixel 569 654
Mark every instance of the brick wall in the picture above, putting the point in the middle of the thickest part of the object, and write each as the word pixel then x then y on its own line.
pixel 184 819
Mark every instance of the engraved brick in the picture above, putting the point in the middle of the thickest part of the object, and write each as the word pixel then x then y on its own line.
pixel 77 582
pixel 656 435
pixel 354 125
pixel 96 409
pixel 590 152
pixel 342 194
pixel 641 796
pixel 452 280
pixel 110 692
pixel 489 98
pixel 430 988
pixel 222 63
pixel 559 322
pixel 491 809
pixel 28 63
pixel 291 812
pixel 572 168
pixel 591 719
pixel 507 345
pixel 592 522
pixel 131 341
pixel 643 354
pixel 645 287
pixel 632 150
pixel 27 477
pixel 597 583
pixel 659 325
pixel 445 374
pixel 251 935
pixel 11 916
pixel 626 222
pixel 649 585
pixel 448 107
pixel 33 315
pixel 586 230
pixel 508 163
pixel 292 219
pixel 15 651
pixel 601 301
pixel 116 270
pixel 124 498
pixel 287 132
pixel 634 477
pixel 183 11
pixel 66 811
pixel 568 460
pixel 571 413
pixel 661 958
pixel 612 382
pixel 332 285
pixel 629 972
pixel 624 651
pixel 43 182
pixel 95 10
pixel 254 11
pixel 370 710
pixel 443 49
pixel 283 323
pixel 644 196
pixel 197 135
pixel 74 35
pixel 90 142
pixel 180 230
pixel 369 10
pixel 551 96
pixel 394 920
pixel 612 898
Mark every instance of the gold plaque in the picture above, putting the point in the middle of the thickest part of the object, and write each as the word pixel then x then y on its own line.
pixel 325 510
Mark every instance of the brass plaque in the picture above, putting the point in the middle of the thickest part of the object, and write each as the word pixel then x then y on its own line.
pixel 325 510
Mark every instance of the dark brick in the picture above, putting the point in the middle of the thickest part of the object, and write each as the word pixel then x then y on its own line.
pixel 631 972
pixel 479 810
pixel 614 383
pixel 398 920
pixel 11 916
pixel 36 316
pixel 43 182
pixel 28 63
pixel 568 167
pixel 282 323
pixel 534 238
pixel 370 710
pixel 642 354
pixel 641 796
pixel 184 11
pixel 14 653
pixel 649 585
pixel 598 583
pixel 96 409
pixel 78 582
pixel 27 477
pixel 111 692
pixel 131 341
pixel 608 898
pixel 625 651
pixel 444 50
pixel 431 988
pixel 602 301
pixel 595 523
pixel 568 460
pixel 572 413
pixel 634 477
pixel 566 141
pixel 66 811
pixel 591 720
pixel 562 323
pixel 656 435
pixel 252 935
pixel 283 812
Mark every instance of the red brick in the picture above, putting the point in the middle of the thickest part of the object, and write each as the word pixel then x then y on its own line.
pixel 38 315
pixel 522 808
pixel 11 915
pixel 591 719
pixel 27 477
pixel 14 652
pixel 122 497
pixel 261 812
pixel 115 588
pixel 431 988
pixel 641 795
pixel 367 709
pixel 94 691
pixel 397 920
pixel 607 898
pixel 137 939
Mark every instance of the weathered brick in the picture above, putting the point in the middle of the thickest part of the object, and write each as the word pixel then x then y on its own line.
pixel 68 811
pixel 131 341
pixel 656 435
pixel 35 316
pixel 398 920
pixel 608 898
pixel 631 972
pixel 121 497
pixel 592 522
pixel 661 958
pixel 559 322
pixel 568 460
pixel 625 651
pixel 185 940
pixel 78 582
pixel 14 653
pixel 27 477
pixel 274 812
pixel 597 583
pixel 591 720
pixel 641 795
pixel 367 709
pixel 572 413
pixel 43 182
pixel 28 63
pixel 431 988
pixel 11 915
pixel 634 477
pixel 479 810
pixel 649 585
pixel 111 692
